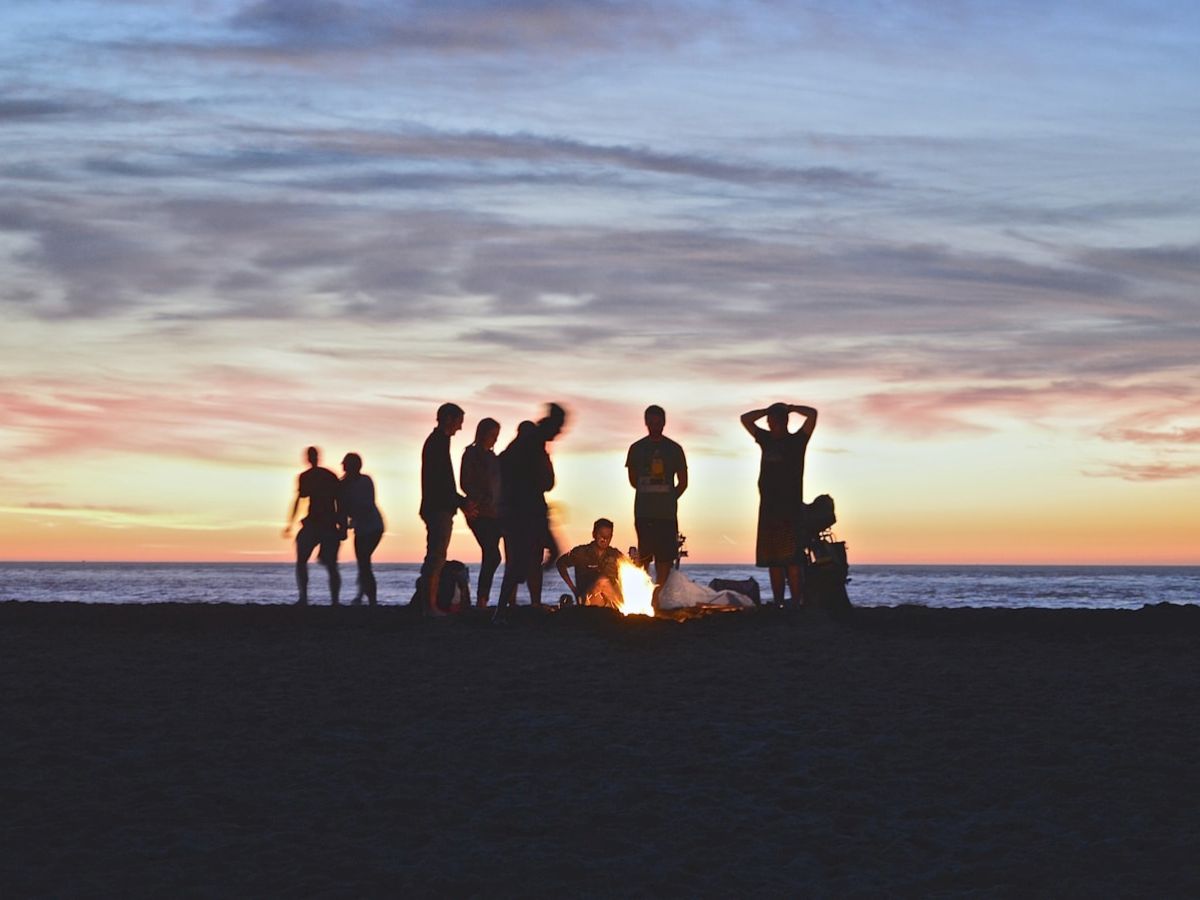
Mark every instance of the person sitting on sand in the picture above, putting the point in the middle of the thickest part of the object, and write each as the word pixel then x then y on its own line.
pixel 324 526
pixel 358 504
pixel 596 564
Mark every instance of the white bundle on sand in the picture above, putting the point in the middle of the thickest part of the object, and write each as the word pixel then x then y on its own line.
pixel 680 592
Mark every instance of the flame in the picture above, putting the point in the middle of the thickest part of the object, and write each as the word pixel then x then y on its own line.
pixel 637 590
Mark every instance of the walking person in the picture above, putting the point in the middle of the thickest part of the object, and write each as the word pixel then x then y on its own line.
pixel 358 504
pixel 781 531
pixel 440 499
pixel 659 476
pixel 323 526
pixel 479 477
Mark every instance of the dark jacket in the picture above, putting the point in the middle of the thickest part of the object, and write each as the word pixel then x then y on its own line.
pixel 439 493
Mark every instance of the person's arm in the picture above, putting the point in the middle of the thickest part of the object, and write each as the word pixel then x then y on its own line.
pixel 342 519
pixel 681 482
pixel 749 418
pixel 291 520
pixel 810 418
pixel 565 575
pixel 633 479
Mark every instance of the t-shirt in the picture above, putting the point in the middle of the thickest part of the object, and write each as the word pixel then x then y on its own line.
pixel 321 487
pixel 591 565
pixel 358 503
pixel 781 472
pixel 655 464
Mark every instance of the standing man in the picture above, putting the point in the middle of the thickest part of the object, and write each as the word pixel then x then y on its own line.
pixel 440 498
pixel 658 473
pixel 324 526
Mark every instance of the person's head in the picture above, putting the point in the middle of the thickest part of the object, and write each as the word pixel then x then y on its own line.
pixel 656 420
pixel 450 418
pixel 526 428
pixel 551 425
pixel 352 464
pixel 313 455
pixel 777 418
pixel 486 433
pixel 602 533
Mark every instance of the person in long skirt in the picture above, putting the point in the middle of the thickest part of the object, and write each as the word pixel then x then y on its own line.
pixel 781 530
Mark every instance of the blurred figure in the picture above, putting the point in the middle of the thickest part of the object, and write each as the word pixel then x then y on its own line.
pixel 596 581
pixel 658 473
pixel 358 505
pixel 479 477
pixel 440 499
pixel 781 532
pixel 526 474
pixel 323 526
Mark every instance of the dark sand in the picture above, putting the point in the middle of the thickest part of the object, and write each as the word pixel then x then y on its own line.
pixel 165 750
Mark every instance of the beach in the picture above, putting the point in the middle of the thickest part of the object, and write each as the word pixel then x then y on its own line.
pixel 263 750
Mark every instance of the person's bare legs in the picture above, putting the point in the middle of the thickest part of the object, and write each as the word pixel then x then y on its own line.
pixel 795 577
pixel 777 584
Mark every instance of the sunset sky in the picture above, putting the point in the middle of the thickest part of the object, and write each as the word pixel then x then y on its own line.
pixel 966 232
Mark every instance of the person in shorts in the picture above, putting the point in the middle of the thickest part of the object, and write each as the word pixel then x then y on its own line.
pixel 658 474
pixel 324 526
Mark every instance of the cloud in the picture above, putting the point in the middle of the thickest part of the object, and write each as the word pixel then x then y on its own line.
pixel 1147 471
pixel 291 27
pixel 1187 436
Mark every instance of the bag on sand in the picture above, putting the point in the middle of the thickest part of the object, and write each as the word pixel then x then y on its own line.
pixel 826 576
pixel 454 589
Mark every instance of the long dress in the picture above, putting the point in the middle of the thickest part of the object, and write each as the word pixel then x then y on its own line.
pixel 781 535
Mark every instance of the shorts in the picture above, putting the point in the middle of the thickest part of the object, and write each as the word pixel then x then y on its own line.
pixel 309 537
pixel 658 539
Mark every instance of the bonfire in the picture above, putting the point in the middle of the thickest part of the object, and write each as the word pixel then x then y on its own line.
pixel 637 590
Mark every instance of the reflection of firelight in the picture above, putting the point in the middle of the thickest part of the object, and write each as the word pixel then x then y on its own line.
pixel 637 590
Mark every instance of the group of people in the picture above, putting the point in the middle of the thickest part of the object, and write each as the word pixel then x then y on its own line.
pixel 503 498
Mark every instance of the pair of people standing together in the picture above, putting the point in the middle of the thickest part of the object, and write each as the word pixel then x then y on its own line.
pixel 334 508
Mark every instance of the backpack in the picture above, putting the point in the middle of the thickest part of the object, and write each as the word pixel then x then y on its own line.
pixel 454 588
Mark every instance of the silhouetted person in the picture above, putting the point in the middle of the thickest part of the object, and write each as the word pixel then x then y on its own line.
pixel 781 530
pixel 658 473
pixel 526 474
pixel 440 499
pixel 324 526
pixel 358 505
pixel 479 477
pixel 597 581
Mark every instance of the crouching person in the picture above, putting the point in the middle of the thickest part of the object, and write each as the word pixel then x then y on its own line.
pixel 596 581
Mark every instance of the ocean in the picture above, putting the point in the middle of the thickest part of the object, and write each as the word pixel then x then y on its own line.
pixel 1084 587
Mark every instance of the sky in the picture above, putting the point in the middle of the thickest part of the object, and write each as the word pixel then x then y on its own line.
pixel 965 232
